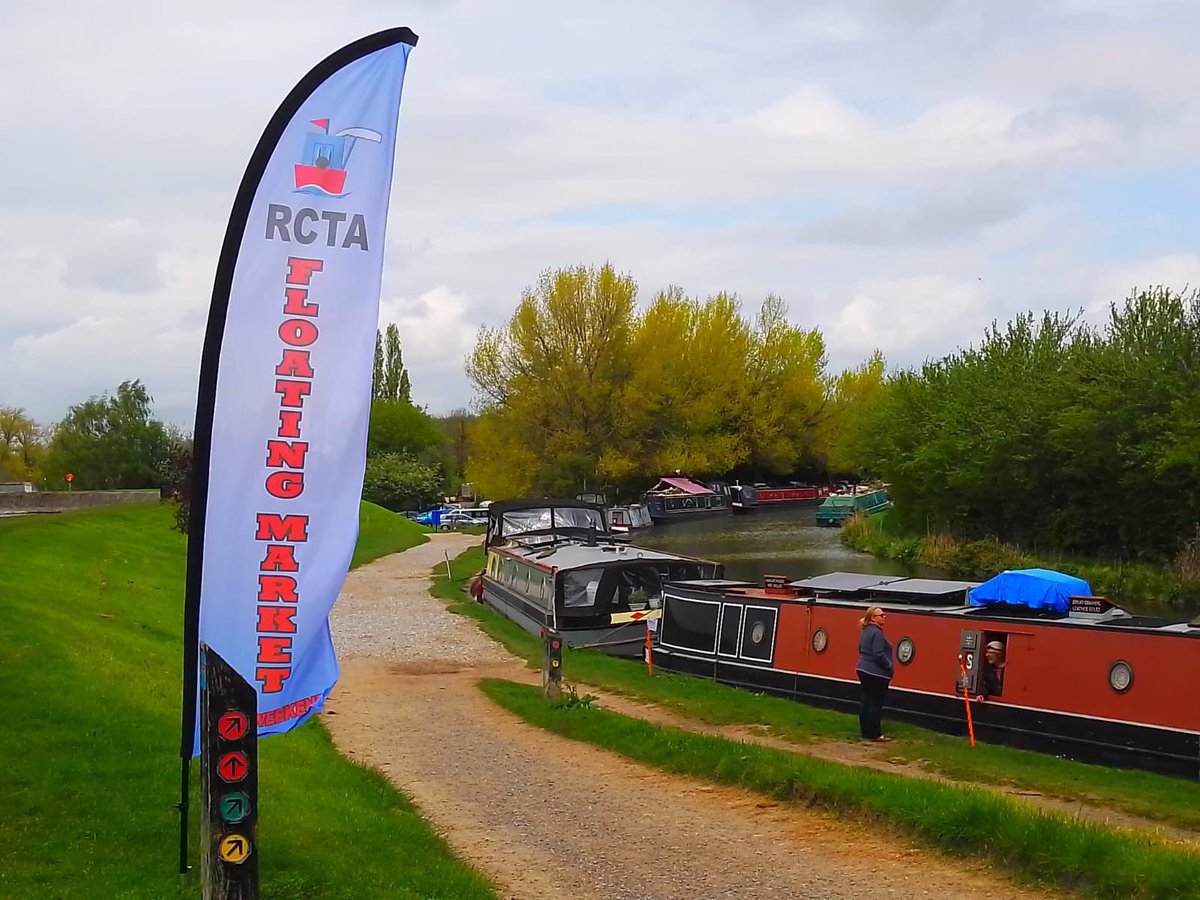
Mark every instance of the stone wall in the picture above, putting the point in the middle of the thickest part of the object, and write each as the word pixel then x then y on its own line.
pixel 57 501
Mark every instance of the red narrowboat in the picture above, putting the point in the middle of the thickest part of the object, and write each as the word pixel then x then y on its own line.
pixel 785 496
pixel 1092 682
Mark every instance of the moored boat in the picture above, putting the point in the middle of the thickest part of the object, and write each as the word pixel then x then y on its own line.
pixel 624 519
pixel 741 498
pixel 789 495
pixel 681 499
pixel 837 508
pixel 1087 679
pixel 553 564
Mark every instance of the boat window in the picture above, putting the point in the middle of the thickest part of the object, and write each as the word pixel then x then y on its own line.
pixel 579 588
pixel 523 520
pixel 690 624
pixel 630 587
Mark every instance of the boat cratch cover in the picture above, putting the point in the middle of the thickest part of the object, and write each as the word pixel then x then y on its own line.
pixel 285 384
pixel 1035 588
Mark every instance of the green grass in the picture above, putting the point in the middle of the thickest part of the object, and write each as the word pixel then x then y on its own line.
pixel 90 638
pixel 1152 796
pixel 381 532
pixel 1037 846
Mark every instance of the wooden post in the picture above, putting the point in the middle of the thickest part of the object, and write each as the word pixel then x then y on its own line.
pixel 552 664
pixel 228 782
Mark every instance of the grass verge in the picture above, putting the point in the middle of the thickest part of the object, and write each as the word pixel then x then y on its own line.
pixel 1037 846
pixel 1145 794
pixel 381 531
pixel 91 637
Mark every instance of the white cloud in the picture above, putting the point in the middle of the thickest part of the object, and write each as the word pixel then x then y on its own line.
pixel 1176 271
pixel 901 172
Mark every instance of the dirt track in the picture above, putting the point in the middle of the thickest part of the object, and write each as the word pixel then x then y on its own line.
pixel 544 817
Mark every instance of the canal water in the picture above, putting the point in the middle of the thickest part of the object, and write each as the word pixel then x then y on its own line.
pixel 788 542
pixel 783 541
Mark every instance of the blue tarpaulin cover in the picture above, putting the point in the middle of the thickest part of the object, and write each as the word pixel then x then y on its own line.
pixel 1035 588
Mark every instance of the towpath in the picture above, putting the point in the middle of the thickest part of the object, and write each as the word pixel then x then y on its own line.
pixel 546 817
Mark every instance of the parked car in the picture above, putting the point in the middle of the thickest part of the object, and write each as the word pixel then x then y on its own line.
pixel 462 518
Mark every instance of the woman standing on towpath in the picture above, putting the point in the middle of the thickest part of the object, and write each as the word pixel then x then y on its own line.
pixel 874 674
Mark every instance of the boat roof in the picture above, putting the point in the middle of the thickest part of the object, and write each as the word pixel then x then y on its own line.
pixel 685 485
pixel 843 581
pixel 924 587
pixel 932 595
pixel 527 518
pixel 581 554
pixel 502 506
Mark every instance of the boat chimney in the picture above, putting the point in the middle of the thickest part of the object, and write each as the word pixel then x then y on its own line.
pixel 591 535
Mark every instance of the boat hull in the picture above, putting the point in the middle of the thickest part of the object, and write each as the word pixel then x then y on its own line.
pixel 627 639
pixel 1097 741
pixel 771 497
pixel 1059 692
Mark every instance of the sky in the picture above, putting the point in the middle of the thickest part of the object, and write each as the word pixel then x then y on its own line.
pixel 901 172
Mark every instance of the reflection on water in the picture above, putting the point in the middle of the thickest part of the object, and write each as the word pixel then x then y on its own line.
pixel 777 541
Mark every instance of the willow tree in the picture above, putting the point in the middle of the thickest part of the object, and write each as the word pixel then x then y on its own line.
pixel 681 405
pixel 785 390
pixel 550 382
pixel 846 428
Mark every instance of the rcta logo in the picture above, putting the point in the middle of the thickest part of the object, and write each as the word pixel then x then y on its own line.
pixel 323 169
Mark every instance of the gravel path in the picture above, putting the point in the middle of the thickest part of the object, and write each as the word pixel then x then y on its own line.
pixel 545 817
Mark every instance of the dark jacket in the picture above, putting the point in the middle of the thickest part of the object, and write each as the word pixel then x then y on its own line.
pixel 874 652
pixel 991 683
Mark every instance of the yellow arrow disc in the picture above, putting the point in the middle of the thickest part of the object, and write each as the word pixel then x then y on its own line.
pixel 234 848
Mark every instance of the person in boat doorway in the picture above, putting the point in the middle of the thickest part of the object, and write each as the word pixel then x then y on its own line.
pixel 991 679
pixel 874 674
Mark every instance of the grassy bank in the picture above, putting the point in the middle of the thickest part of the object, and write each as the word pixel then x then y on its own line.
pixel 91 636
pixel 1141 793
pixel 1148 588
pixel 1037 846
pixel 381 531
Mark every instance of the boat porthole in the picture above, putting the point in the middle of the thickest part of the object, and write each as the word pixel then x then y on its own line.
pixel 905 650
pixel 1120 676
pixel 757 632
pixel 820 640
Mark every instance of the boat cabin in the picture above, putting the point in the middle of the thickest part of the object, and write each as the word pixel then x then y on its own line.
pixel 553 564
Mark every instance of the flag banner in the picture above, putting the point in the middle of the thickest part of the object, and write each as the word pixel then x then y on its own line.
pixel 285 385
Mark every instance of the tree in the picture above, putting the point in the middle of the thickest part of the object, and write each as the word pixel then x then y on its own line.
pixel 785 390
pixel 399 482
pixel 21 447
pixel 685 398
pixel 455 426
pixel 398 427
pixel 580 389
pixel 110 442
pixel 389 378
pixel 377 368
pixel 550 382
pixel 845 430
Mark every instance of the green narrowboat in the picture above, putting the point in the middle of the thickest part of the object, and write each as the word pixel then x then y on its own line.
pixel 837 508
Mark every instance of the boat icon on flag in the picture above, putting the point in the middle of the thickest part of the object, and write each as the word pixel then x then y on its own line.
pixel 322 170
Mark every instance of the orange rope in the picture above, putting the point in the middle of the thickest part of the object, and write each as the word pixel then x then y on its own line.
pixel 967 700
